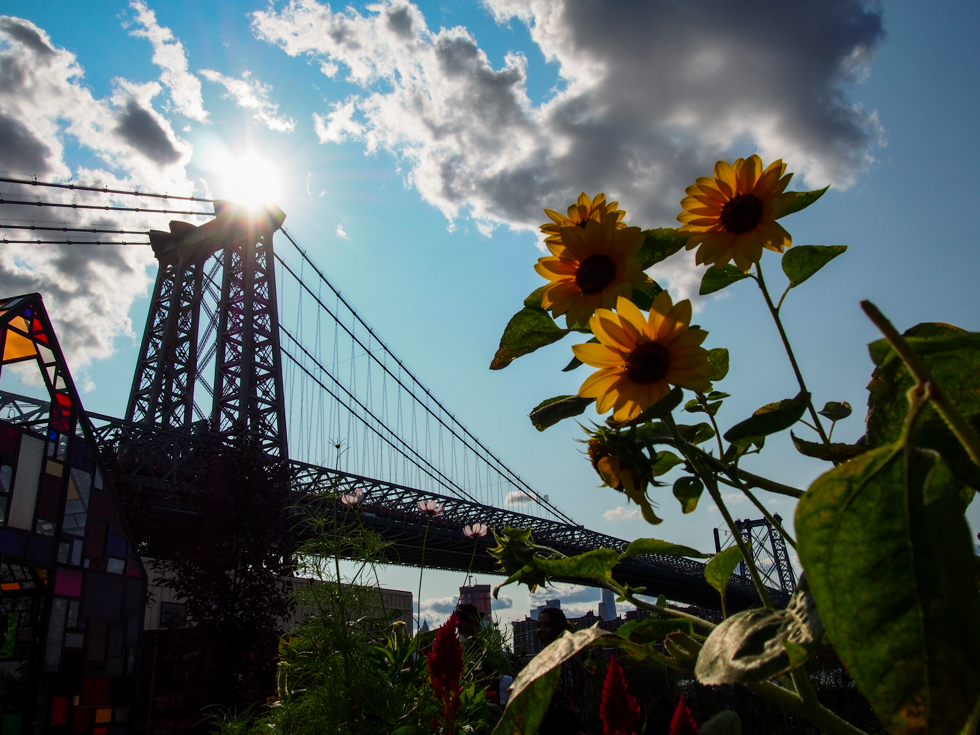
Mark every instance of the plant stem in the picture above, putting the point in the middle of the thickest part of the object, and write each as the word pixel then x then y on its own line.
pixel 961 428
pixel 789 352
pixel 769 517
pixel 628 594
pixel 709 480
pixel 425 538
pixel 813 711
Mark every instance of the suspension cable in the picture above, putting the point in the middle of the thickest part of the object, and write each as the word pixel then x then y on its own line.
pixel 101 189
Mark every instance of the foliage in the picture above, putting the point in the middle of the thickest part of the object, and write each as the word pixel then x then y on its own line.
pixel 890 571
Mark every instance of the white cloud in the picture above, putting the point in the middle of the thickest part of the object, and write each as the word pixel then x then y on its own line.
pixel 649 96
pixel 620 513
pixel 168 54
pixel 251 94
pixel 341 233
pixel 501 602
pixel 87 290
pixel 518 497
pixel 567 593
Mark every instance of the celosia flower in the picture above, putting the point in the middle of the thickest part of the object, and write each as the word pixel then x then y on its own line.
pixel 477 530
pixel 641 357
pixel 733 215
pixel 683 722
pixel 354 498
pixel 591 266
pixel 445 670
pixel 430 507
pixel 579 213
pixel 619 710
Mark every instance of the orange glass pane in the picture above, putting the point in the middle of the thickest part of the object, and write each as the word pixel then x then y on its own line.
pixel 17 347
pixel 103 715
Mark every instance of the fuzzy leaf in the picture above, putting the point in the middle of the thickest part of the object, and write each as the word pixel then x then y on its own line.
pixel 895 582
pixel 829 452
pixel 751 645
pixel 550 412
pixel 715 279
pixel 794 201
pixel 528 330
pixel 660 244
pixel 718 359
pixel 836 411
pixel 656 546
pixel 802 261
pixel 688 491
pixel 770 419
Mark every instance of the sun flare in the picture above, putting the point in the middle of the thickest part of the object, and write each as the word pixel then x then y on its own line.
pixel 249 179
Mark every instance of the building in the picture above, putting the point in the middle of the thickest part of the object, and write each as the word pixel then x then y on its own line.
pixel 607 608
pixel 539 608
pixel 477 595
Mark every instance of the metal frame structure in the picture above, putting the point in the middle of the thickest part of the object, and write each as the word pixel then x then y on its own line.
pixel 247 388
pixel 72 586
pixel 769 553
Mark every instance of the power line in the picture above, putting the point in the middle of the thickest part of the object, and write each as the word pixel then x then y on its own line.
pixel 6 241
pixel 65 228
pixel 105 207
pixel 101 189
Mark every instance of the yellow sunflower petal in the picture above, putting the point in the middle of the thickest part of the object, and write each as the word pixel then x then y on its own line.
pixel 677 319
pixel 599 382
pixel 725 179
pixel 599 356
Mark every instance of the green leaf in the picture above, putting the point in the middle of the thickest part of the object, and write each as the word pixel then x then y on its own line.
pixel 550 412
pixel 794 201
pixel 697 434
pixel 688 491
pixel 718 359
pixel 829 452
pixel 802 261
pixel 717 395
pixel 770 419
pixel 660 244
pixel 526 331
pixel 719 570
pixel 715 279
pixel 725 722
pixel 683 649
pixel 836 411
pixel 533 300
pixel 656 546
pixel 533 688
pixel 655 432
pixel 649 630
pixel 664 462
pixel 895 583
pixel 752 645
pixel 644 296
pixel 595 564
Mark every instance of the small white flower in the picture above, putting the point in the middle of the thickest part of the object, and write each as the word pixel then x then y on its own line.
pixel 477 530
pixel 430 507
pixel 354 498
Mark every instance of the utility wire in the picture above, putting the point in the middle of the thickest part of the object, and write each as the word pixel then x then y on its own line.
pixel 6 241
pixel 105 207
pixel 101 189
pixel 65 228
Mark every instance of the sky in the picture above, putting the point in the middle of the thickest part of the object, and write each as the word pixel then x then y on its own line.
pixel 414 145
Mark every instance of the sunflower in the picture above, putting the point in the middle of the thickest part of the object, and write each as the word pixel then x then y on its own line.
pixel 590 267
pixel 640 358
pixel 579 213
pixel 732 216
pixel 612 470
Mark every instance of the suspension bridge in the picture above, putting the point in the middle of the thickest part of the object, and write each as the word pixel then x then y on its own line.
pixel 242 335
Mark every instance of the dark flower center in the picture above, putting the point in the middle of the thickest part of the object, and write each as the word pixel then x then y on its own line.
pixel 648 363
pixel 597 450
pixel 741 214
pixel 595 273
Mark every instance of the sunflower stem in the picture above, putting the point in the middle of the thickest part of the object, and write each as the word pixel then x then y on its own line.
pixel 815 712
pixel 789 352
pixel 709 480
pixel 628 594
pixel 425 538
pixel 711 417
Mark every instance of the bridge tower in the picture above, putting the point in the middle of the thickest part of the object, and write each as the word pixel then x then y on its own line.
pixel 768 552
pixel 225 269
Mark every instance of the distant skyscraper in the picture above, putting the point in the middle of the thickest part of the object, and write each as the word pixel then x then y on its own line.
pixel 535 611
pixel 607 608
pixel 478 595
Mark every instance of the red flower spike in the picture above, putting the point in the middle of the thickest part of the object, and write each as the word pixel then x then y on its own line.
pixel 683 721
pixel 445 669
pixel 619 710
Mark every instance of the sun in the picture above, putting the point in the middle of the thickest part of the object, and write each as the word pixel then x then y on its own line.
pixel 249 179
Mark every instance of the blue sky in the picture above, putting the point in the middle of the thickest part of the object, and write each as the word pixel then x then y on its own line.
pixel 417 143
